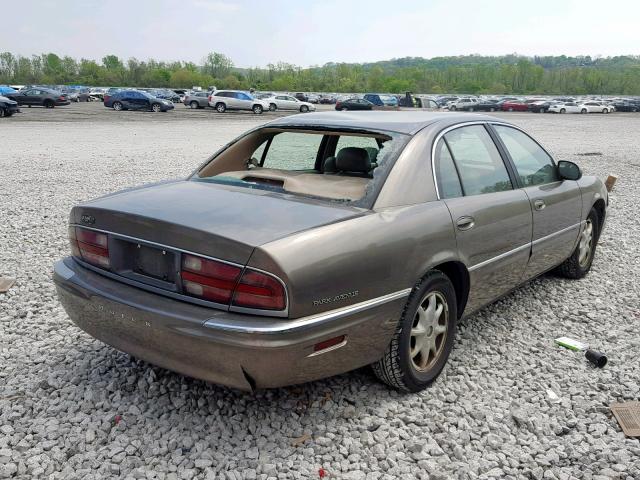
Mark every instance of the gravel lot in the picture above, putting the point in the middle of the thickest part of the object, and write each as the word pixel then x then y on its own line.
pixel 71 407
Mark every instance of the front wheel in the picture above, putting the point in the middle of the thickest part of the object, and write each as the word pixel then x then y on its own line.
pixel 273 107
pixel 194 105
pixel 562 110
pixel 579 263
pixel 257 109
pixel 304 109
pixel 584 110
pixel 424 336
pixel 156 107
pixel 452 108
pixel 605 111
pixel 48 104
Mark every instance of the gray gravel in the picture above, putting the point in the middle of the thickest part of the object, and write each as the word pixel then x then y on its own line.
pixel 71 407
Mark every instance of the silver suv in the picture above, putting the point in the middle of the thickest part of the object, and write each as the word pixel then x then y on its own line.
pixel 223 100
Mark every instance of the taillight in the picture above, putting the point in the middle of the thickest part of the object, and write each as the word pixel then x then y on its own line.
pixel 259 290
pixel 208 279
pixel 222 283
pixel 62 98
pixel 209 97
pixel 90 246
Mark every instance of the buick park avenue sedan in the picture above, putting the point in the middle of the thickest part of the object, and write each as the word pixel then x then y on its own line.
pixel 323 242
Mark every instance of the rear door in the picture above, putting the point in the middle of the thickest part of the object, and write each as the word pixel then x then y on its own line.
pixel 556 204
pixel 491 217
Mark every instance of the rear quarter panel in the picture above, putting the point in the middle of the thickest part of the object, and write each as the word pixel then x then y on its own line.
pixel 341 264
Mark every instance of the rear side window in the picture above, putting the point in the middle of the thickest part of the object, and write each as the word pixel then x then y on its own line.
pixel 478 161
pixel 533 164
pixel 446 174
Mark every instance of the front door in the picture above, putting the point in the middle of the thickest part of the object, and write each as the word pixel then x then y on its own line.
pixel 491 218
pixel 556 204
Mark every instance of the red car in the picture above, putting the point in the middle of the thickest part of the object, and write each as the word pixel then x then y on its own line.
pixel 515 105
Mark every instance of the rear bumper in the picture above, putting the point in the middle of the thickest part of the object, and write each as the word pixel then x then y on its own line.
pixel 240 351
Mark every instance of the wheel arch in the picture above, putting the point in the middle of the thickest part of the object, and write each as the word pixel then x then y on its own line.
pixel 601 208
pixel 459 276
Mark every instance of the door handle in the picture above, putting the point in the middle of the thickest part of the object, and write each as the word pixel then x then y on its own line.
pixel 539 204
pixel 465 223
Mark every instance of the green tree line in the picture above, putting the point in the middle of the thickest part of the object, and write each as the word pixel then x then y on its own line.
pixel 476 74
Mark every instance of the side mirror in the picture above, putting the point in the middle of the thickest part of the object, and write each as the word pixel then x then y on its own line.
pixel 569 170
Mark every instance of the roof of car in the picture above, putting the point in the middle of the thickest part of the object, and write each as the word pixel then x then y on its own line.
pixel 406 122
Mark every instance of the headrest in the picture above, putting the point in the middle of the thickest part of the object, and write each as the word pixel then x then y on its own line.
pixel 329 165
pixel 353 159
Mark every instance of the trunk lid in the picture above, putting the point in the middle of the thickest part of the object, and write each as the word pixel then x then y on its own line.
pixel 214 220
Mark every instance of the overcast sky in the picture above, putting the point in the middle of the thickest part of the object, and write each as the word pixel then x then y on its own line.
pixel 254 33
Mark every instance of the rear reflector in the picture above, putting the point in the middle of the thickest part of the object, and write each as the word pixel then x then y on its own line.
pixel 332 342
pixel 90 246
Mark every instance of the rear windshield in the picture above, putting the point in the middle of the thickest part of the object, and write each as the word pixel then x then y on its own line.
pixel 335 166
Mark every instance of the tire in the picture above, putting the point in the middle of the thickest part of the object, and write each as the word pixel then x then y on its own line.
pixel 117 106
pixel 3 112
pixel 194 105
pixel 257 109
pixel 452 108
pixel 584 110
pixel 563 110
pixel 273 107
pixel 606 110
pixel 221 107
pixel 344 109
pixel 304 109
pixel 156 107
pixel 397 368
pixel 48 104
pixel 579 263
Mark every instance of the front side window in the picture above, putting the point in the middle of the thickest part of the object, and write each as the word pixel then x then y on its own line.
pixel 534 166
pixel 479 163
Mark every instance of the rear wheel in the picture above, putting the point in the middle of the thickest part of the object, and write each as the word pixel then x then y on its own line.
pixel 579 263
pixel 194 105
pixel 424 336
pixel 273 107
pixel 304 109
pixel 257 109
pixel 156 107
pixel 562 110
pixel 606 110
pixel 452 108
pixel 48 104
pixel 221 108
pixel 584 110
pixel 117 106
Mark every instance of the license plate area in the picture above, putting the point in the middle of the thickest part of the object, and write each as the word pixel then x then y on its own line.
pixel 145 263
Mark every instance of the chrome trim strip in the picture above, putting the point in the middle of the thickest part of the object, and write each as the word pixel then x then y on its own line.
pixel 305 322
pixel 522 247
pixel 554 234
pixel 329 349
pixel 179 296
pixel 499 257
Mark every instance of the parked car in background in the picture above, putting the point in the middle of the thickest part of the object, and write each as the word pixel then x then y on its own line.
pixel 39 96
pixel 313 98
pixel 564 107
pixel 223 100
pixel 285 270
pixel 487 105
pixel 328 99
pixel 301 96
pixel 443 101
pixel 626 106
pixel 353 104
pixel 8 107
pixel 467 104
pixel 137 100
pixel 97 93
pixel 514 106
pixel 4 89
pixel 287 102
pixel 594 107
pixel 196 100
pixel 539 106
pixel 77 94
pixel 381 100
pixel 165 94
pixel 111 91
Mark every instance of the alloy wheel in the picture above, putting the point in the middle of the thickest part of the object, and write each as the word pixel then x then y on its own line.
pixel 586 244
pixel 429 331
